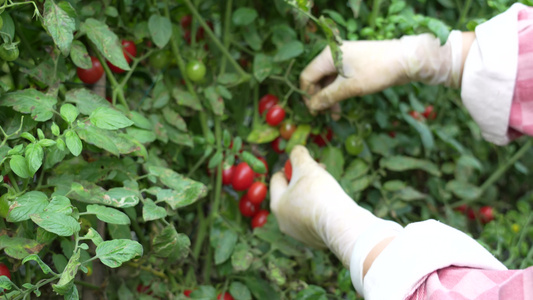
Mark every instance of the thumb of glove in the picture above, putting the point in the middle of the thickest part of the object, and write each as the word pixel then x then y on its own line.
pixel 278 186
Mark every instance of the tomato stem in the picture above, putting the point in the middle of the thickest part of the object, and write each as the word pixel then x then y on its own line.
pixel 226 34
pixel 117 88
pixel 374 14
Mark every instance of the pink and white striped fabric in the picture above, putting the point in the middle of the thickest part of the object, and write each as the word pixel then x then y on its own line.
pixel 521 118
pixel 475 284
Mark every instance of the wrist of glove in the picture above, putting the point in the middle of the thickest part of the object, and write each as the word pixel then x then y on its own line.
pixel 314 209
pixel 372 66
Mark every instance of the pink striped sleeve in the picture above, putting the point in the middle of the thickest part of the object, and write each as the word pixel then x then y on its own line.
pixel 476 284
pixel 521 117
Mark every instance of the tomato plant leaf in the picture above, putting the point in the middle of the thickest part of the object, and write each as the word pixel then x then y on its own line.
pixel 94 236
pixel 66 281
pixel 108 118
pixel 223 240
pixel 463 190
pixel 439 28
pixel 151 211
pixel 108 214
pixel 299 137
pixel 242 257
pixel 18 247
pixel 115 252
pixel 69 112
pixel 160 30
pixel 262 134
pixel 185 98
pixel 141 135
pixel 216 159
pixel 215 101
pixel 262 66
pixel 98 137
pixel 23 206
pixel 252 37
pixel 59 25
pixel 59 204
pixel 289 50
pixel 34 155
pixel 204 292
pixel 57 223
pixel 312 292
pixel 409 194
pixel 85 100
pixel 355 6
pixel 334 160
pixel 174 119
pixel 260 288
pixel 257 165
pixel 425 133
pixel 73 142
pixel 170 243
pixel 334 41
pixel 30 101
pixel 8 29
pixel 239 291
pixel 400 163
pixel 106 41
pixel 186 191
pixel 244 16
pixel 44 267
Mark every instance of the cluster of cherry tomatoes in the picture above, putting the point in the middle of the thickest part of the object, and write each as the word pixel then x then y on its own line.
pixel 485 214
pixel 429 113
pixel 93 74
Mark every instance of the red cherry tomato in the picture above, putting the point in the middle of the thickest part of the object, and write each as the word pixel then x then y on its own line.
pixel 415 115
pixel 286 130
pixel 470 213
pixel 4 271
pixel 227 175
pixel 486 214
pixel 275 145
pixel 186 21
pixel 187 293
pixel 392 134
pixel 322 139
pixel 247 208
pixel 226 296
pixel 429 113
pixel 266 102
pixel 462 208
pixel 93 74
pixel 257 192
pixel 243 177
pixel 129 47
pixel 143 289
pixel 288 170
pixel 275 115
pixel 8 181
pixel 260 218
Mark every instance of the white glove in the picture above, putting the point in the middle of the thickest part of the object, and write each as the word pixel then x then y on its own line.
pixel 314 209
pixel 372 66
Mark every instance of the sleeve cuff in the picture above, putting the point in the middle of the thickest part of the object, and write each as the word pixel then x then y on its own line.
pixel 419 249
pixel 490 73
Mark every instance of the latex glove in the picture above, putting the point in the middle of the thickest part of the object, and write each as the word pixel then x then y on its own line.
pixel 314 209
pixel 372 66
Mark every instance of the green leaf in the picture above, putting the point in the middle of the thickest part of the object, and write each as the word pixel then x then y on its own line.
pixel 97 137
pixel 73 142
pixel 262 66
pixel 30 101
pixel 34 156
pixel 44 267
pixel 171 243
pixel 115 252
pixel 66 280
pixel 141 135
pixel 108 118
pixel 299 137
pixel 409 194
pixel 223 240
pixel 186 99
pixel 425 133
pixel 185 191
pixel 85 100
pixel 260 288
pixel 440 29
pixel 394 185
pixel 204 292
pixel 289 50
pixel 120 197
pixel 8 29
pixel 257 165
pixel 69 112
pixel 105 41
pixel 263 134
pixel 141 121
pixel 160 30
pixel 239 291
pixel 215 101
pixel 215 159
pixel 94 236
pixel 79 55
pixel 59 25
pixel 59 204
pixel 463 190
pixel 108 214
pixel 404 163
pixel 151 211
pixel 28 136
pixel 18 247
pixel 243 16
pixel 334 160
pixel 57 223
pixel 334 41
pixel 29 203
pixel 89 192
pixel 242 257
pixel 312 292
pixel 174 119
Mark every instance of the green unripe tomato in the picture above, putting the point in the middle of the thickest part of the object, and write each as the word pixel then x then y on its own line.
pixel 160 59
pixel 354 145
pixel 195 70
pixel 9 54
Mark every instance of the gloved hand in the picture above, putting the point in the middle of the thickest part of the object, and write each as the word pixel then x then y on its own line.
pixel 372 66
pixel 314 209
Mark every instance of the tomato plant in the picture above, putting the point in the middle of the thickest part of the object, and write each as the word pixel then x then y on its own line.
pixel 130 50
pixel 354 144
pixel 196 70
pixel 9 54
pixel 92 74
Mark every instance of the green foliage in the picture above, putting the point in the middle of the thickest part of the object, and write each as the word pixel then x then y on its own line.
pixel 121 184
